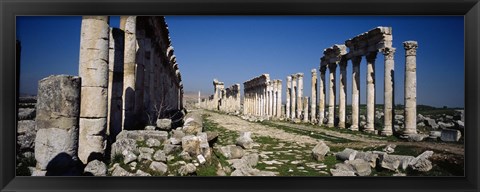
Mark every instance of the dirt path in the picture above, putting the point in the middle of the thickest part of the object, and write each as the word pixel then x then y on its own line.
pixel 235 123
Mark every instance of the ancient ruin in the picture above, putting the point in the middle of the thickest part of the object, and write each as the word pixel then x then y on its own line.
pixel 262 97
pixel 129 79
pixel 226 100
pixel 366 44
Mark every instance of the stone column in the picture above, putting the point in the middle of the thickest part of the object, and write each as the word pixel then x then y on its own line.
pixel 199 97
pixel 130 53
pixel 342 106
pixel 322 96
pixel 331 102
pixel 288 95
pixel 299 95
pixel 305 109
pixel 279 98
pixel 57 114
pixel 293 99
pixel 355 92
pixel 389 54
pixel 274 98
pixel 410 87
pixel 94 73
pixel 370 126
pixel 313 104
pixel 270 98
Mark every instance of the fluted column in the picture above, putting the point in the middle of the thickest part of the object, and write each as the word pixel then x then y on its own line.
pixel 93 69
pixel 355 92
pixel 288 95
pixel 410 87
pixel 313 104
pixel 279 98
pixel 389 54
pixel 370 126
pixel 293 99
pixel 343 93
pixel 322 96
pixel 299 95
pixel 331 102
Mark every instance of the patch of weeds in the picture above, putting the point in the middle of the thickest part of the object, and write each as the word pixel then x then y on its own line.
pixel 22 165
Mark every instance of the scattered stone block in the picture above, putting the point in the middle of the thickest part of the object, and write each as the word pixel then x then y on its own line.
pixel 346 154
pixel 96 168
pixel 245 140
pixel 450 135
pixel 159 167
pixel 320 150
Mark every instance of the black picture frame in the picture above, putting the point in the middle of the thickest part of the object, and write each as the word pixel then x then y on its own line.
pixel 9 73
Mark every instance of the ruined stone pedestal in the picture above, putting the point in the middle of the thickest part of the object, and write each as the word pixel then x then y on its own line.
pixel 57 116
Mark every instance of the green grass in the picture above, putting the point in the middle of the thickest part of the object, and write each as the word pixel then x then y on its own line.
pixel 312 134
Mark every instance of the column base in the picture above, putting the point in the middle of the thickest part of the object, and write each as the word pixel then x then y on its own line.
pixel 353 128
pixel 386 132
pixel 341 125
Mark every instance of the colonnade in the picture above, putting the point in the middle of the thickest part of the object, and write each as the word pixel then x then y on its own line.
pixel 262 97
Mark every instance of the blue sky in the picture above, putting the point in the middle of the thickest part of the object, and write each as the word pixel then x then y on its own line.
pixel 234 49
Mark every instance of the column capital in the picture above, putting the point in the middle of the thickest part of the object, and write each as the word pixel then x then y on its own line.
pixel 294 77
pixel 410 47
pixel 299 75
pixel 389 53
pixel 314 71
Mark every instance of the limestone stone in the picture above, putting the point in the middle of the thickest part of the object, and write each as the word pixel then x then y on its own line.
pixel 92 104
pixel 410 87
pixel 141 173
pixel 164 124
pixel 160 156
pixel 346 154
pixel 320 150
pixel 187 169
pixel 96 168
pixel 370 126
pixel 58 102
pixel 169 149
pixel 193 124
pixel 393 162
pixel 143 135
pixel 151 142
pixel 144 157
pixel 360 167
pixel 191 145
pixel 388 53
pixel 355 93
pixel 231 151
pixel 369 157
pixel 119 171
pixel 128 156
pixel 159 167
pixel 245 140
pixel 450 135
pixel 53 142
pixel 123 145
